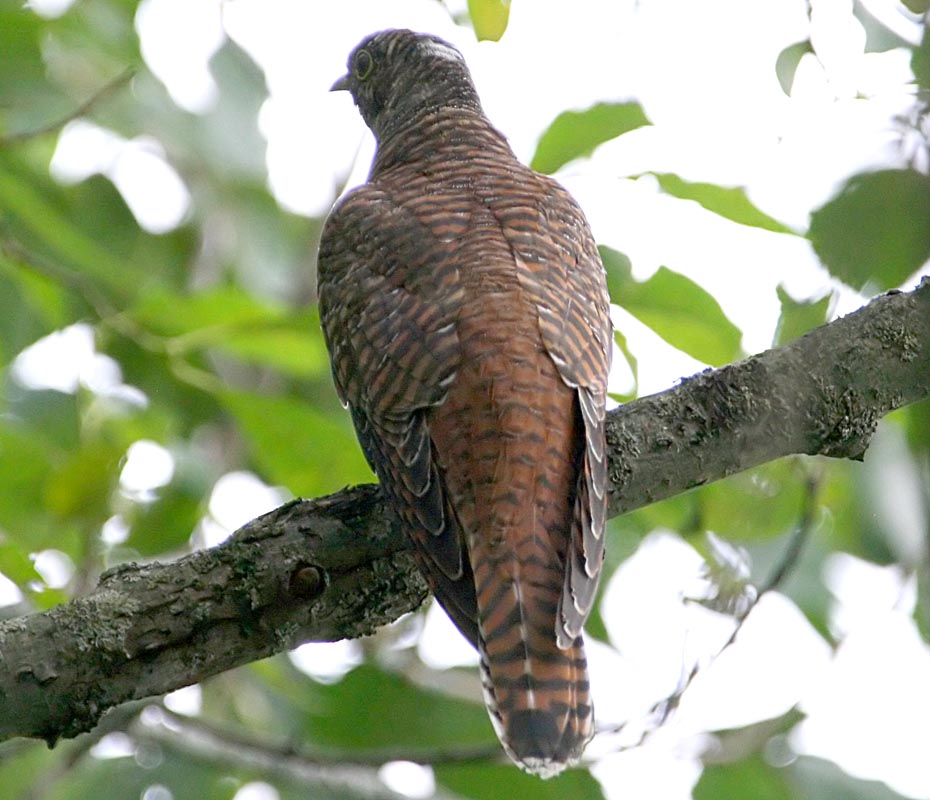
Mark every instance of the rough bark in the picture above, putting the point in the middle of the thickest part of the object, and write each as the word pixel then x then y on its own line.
pixel 822 394
pixel 338 567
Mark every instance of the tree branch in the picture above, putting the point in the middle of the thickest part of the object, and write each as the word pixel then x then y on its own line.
pixel 338 567
pixel 822 394
pixel 327 774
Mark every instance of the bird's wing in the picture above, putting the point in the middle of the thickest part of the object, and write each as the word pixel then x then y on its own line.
pixel 389 321
pixel 569 290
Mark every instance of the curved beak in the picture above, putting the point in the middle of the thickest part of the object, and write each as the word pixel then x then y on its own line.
pixel 342 85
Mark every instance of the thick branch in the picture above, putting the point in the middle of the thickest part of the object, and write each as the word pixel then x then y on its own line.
pixel 337 567
pixel 822 394
pixel 320 570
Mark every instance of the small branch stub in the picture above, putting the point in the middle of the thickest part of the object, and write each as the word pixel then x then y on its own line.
pixel 307 582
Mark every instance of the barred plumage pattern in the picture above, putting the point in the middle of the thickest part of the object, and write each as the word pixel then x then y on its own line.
pixel 464 305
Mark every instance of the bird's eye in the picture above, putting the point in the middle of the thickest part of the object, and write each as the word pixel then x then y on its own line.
pixel 364 64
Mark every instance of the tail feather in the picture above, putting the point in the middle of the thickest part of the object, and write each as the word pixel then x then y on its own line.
pixel 543 724
pixel 510 449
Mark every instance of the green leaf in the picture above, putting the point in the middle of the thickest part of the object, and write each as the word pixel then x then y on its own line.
pixel 799 316
pixel 296 349
pixel 31 306
pixel 574 134
pixel 99 210
pixel 852 525
pixel 620 339
pixel 182 774
pixel 786 65
pixel 168 522
pixel 233 321
pixel 27 99
pixel 85 238
pixel 110 25
pixel 40 215
pixel 619 271
pixel 228 135
pixel 16 565
pixel 24 765
pixel 489 18
pixel 876 231
pixel 51 417
pixel 297 446
pixel 915 419
pixel 25 461
pixel 81 486
pixel 680 513
pixel 757 504
pixel 750 777
pixel 399 714
pixel 729 202
pixel 676 308
pixel 879 38
pixel 494 781
pixel 206 316
pixel 819 779
pixel 920 59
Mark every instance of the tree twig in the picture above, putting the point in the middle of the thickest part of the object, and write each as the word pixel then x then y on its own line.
pixel 317 757
pixel 206 742
pixel 84 108
pixel 799 538
pixel 664 709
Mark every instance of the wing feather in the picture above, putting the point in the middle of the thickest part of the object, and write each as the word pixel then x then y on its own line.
pixel 573 310
pixel 388 317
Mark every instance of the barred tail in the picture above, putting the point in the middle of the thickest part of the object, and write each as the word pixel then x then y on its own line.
pixel 537 693
pixel 545 719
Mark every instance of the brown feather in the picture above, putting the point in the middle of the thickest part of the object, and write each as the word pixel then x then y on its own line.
pixel 466 313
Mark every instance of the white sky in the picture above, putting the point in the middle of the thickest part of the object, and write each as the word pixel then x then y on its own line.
pixel 705 75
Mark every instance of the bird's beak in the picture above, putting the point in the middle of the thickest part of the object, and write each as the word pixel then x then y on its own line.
pixel 342 85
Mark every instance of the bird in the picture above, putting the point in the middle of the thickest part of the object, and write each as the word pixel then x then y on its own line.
pixel 465 309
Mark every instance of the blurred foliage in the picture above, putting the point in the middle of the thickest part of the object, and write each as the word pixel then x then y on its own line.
pixel 489 18
pixel 786 65
pixel 574 134
pixel 212 330
pixel 876 231
pixel 920 60
pixel 799 316
pixel 804 779
pixel 676 308
pixel 729 202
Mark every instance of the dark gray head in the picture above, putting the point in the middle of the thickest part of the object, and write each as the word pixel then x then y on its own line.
pixel 397 75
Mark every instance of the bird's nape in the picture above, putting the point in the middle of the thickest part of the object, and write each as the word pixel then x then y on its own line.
pixel 396 76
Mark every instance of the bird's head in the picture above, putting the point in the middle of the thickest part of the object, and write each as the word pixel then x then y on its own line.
pixel 396 75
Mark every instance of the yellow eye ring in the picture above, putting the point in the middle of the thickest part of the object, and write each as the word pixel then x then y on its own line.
pixel 364 64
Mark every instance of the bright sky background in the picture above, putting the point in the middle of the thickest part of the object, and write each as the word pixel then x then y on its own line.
pixel 705 74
